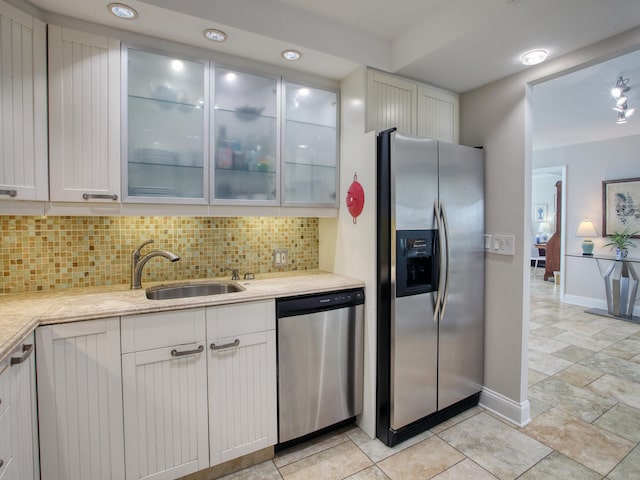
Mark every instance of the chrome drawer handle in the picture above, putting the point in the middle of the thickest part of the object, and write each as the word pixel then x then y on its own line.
pixel 176 353
pixel 11 193
pixel 235 343
pixel 101 196
pixel 27 350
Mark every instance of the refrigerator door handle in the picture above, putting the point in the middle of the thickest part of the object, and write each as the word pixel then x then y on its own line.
pixel 447 255
pixel 439 226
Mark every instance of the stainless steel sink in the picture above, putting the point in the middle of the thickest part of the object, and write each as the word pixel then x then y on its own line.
pixel 186 290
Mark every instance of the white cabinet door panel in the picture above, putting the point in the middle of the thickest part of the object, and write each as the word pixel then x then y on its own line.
pixel 23 117
pixel 437 114
pixel 84 116
pixel 242 395
pixel 165 411
pixel 391 102
pixel 80 398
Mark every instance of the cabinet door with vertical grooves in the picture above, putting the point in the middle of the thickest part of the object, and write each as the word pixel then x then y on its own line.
pixel 165 405
pixel 242 395
pixel 80 400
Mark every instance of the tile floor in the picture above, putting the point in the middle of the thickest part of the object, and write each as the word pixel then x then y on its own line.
pixel 584 388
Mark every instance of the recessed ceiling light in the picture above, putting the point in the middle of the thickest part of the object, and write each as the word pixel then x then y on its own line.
pixel 123 11
pixel 214 35
pixel 533 57
pixel 291 55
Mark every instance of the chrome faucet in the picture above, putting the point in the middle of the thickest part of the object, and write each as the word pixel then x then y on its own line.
pixel 138 263
pixel 234 273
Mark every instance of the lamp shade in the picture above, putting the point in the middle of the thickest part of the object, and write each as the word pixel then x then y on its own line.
pixel 544 227
pixel 586 229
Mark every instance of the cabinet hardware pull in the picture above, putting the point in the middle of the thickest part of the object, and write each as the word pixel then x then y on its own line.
pixel 102 196
pixel 235 343
pixel 11 193
pixel 27 350
pixel 1 463
pixel 176 353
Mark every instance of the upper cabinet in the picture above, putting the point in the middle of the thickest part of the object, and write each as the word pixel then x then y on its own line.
pixel 84 116
pixel 23 116
pixel 310 149
pixel 165 129
pixel 411 107
pixel 201 133
pixel 245 152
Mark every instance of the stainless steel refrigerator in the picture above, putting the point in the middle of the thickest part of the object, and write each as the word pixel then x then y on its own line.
pixel 430 300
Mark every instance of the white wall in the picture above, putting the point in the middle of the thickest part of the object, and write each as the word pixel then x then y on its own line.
pixel 498 116
pixel 588 164
pixel 350 248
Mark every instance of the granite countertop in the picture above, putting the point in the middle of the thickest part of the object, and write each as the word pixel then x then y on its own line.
pixel 22 313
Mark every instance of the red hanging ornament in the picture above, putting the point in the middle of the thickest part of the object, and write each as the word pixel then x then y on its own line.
pixel 355 198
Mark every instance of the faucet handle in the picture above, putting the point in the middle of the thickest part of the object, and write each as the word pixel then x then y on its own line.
pixel 142 245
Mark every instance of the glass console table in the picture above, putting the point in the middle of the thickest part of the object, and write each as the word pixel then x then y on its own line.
pixel 620 283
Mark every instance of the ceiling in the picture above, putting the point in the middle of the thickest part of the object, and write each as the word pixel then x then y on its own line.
pixel 454 44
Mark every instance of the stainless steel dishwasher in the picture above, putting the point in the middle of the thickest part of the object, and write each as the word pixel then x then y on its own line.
pixel 320 361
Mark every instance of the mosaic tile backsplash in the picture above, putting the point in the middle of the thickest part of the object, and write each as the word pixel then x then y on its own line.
pixel 49 253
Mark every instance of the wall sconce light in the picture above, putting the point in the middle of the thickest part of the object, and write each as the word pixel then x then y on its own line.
pixel 586 229
pixel 619 92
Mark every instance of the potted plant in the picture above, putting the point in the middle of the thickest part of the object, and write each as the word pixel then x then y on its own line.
pixel 621 241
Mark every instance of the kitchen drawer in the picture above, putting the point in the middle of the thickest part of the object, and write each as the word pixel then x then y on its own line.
pixel 240 319
pixel 162 329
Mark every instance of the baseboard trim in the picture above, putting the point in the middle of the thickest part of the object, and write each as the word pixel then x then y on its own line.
pixel 588 302
pixel 517 413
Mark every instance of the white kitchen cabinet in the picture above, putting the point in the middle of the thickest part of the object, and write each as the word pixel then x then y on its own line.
pixel 391 102
pixel 23 117
pixel 164 374
pixel 80 400
pixel 242 379
pixel 437 114
pixel 166 128
pixel 84 116
pixel 18 431
pixel 411 107
pixel 309 146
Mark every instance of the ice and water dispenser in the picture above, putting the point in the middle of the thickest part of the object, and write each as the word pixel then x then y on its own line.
pixel 416 262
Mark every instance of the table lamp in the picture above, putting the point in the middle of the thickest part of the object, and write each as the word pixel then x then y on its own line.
pixel 542 232
pixel 586 229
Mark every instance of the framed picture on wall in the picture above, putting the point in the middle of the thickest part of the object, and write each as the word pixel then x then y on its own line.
pixel 620 206
pixel 540 212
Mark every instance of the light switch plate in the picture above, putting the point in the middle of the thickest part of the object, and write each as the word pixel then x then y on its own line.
pixel 504 244
pixel 488 240
pixel 280 257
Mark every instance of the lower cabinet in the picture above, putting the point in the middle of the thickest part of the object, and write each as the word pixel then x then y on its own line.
pixel 164 374
pixel 80 400
pixel 242 379
pixel 18 432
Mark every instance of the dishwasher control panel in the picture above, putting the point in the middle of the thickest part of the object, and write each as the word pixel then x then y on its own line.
pixel 303 304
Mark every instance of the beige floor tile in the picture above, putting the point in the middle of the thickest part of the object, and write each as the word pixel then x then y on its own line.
pixel 574 354
pixel 614 366
pixel 547 364
pixel 537 407
pixel 262 471
pixel 335 463
pixel 545 345
pixel 629 468
pixel 578 375
pixel 626 349
pixel 584 341
pixel 535 377
pixel 306 449
pixel 495 446
pixel 376 450
pixel 581 326
pixel 558 467
pixel 548 331
pixel 423 460
pixel 593 447
pixel 621 389
pixel 465 470
pixel 370 473
pixel 622 420
pixel 457 419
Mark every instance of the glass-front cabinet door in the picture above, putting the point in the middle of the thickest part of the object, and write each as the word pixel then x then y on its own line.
pixel 310 150
pixel 167 129
pixel 245 144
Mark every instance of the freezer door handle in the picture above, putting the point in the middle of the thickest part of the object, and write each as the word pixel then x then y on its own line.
pixel 438 302
pixel 447 255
